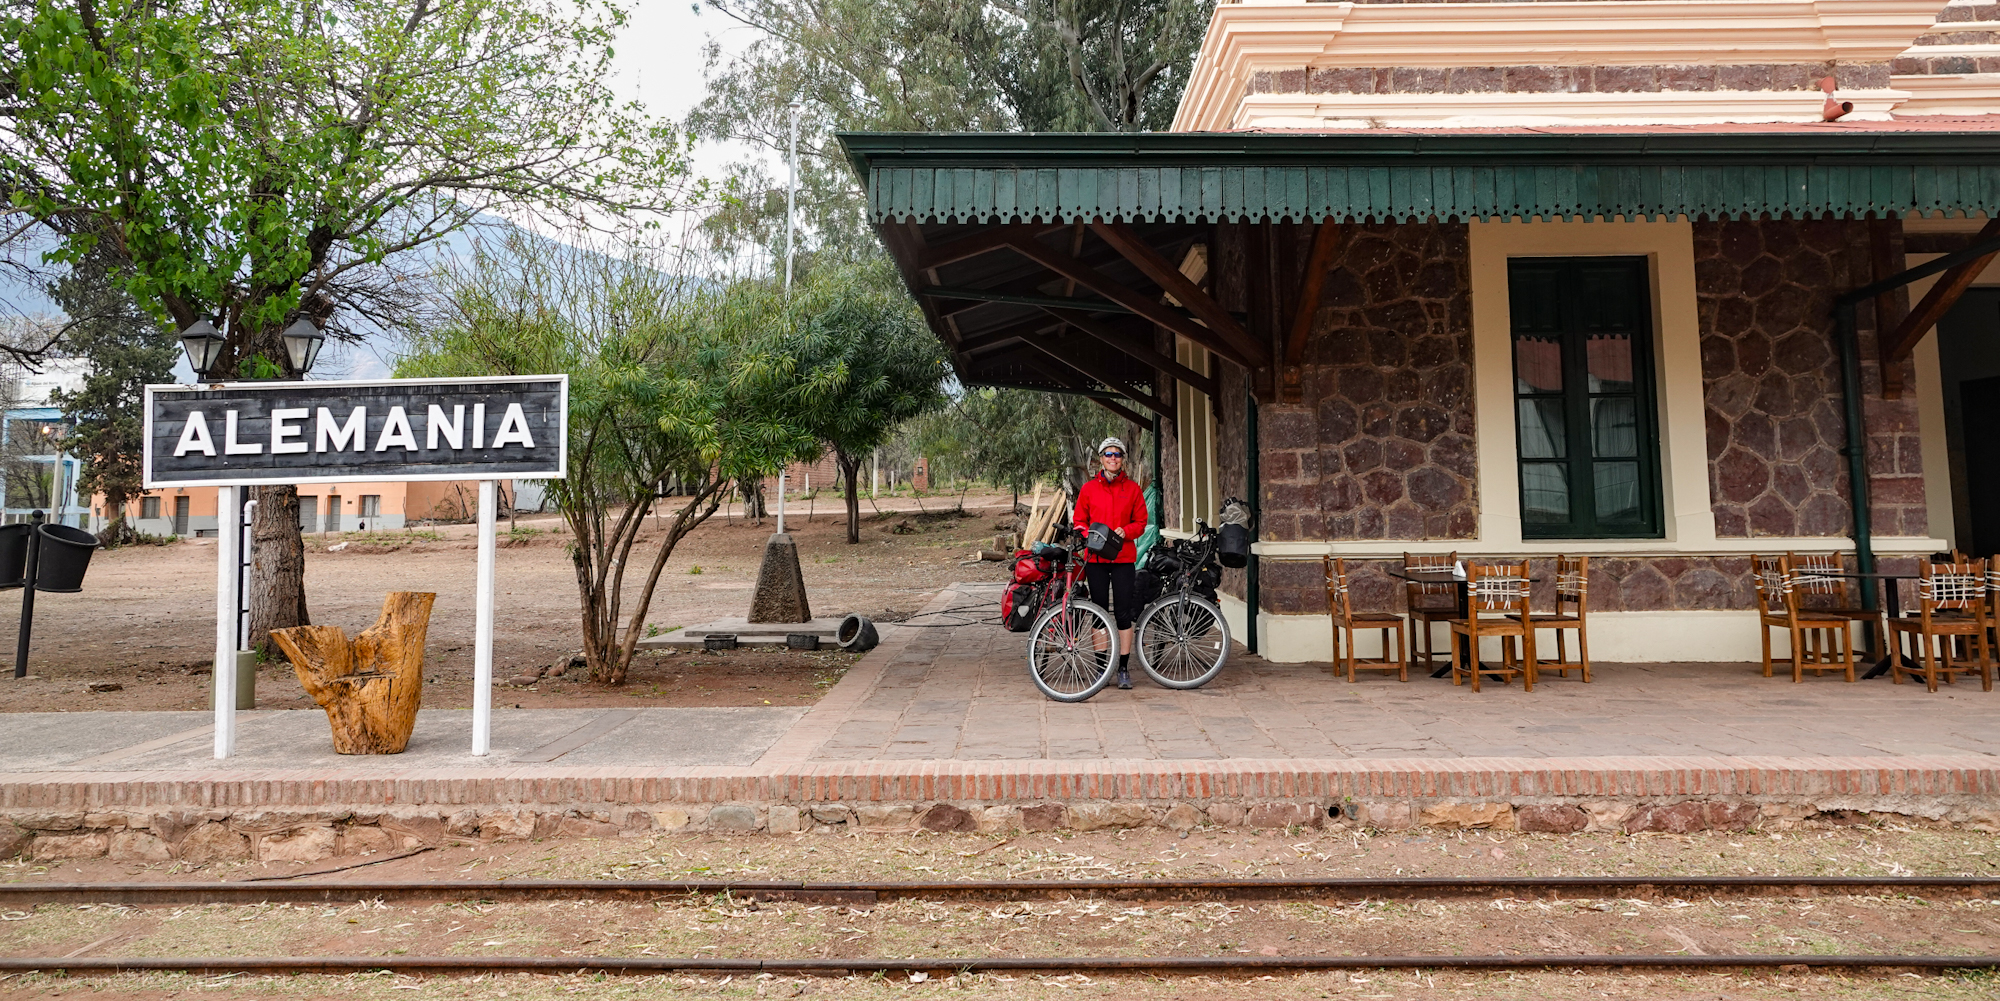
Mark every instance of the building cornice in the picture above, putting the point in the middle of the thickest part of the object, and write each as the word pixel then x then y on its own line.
pixel 1277 35
pixel 1478 110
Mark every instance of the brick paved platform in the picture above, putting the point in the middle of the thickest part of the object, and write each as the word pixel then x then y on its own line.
pixel 940 727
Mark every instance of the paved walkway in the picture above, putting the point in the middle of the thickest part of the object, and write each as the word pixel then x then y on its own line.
pixel 963 693
pixel 297 740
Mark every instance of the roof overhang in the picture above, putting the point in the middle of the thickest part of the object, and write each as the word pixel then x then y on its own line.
pixel 1053 261
pixel 1948 166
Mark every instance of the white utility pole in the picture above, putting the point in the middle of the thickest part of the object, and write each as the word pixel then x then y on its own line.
pixel 791 198
pixel 781 502
pixel 875 478
pixel 482 629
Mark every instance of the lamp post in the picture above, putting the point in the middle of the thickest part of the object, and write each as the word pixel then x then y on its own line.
pixel 203 344
pixel 302 343
pixel 791 195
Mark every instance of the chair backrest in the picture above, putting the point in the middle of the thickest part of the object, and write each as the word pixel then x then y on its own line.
pixel 1572 583
pixel 1960 585
pixel 1431 594
pixel 1773 584
pixel 1497 587
pixel 1338 604
pixel 1814 581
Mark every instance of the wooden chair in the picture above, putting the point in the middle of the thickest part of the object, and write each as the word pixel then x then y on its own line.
pixel 1824 595
pixel 1346 623
pixel 1952 602
pixel 1429 602
pixel 1816 638
pixel 1572 589
pixel 1496 605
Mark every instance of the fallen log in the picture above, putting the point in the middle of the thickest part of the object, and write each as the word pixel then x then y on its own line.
pixel 370 686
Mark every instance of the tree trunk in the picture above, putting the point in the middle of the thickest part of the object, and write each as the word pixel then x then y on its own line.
pixel 850 466
pixel 370 686
pixel 278 575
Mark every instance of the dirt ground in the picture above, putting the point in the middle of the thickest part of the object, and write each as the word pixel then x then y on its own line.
pixel 1072 924
pixel 145 619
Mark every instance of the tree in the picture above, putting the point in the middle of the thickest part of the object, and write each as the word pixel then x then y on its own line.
pixel 126 349
pixel 926 66
pixel 1015 438
pixel 657 390
pixel 848 357
pixel 265 160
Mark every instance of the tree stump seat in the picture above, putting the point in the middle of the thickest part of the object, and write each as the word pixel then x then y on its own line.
pixel 342 674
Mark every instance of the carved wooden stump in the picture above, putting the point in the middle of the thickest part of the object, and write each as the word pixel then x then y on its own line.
pixel 370 686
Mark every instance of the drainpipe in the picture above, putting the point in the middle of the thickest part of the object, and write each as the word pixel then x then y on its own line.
pixel 1857 454
pixel 1256 502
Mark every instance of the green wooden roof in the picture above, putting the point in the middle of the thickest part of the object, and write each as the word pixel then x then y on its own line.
pixel 1733 171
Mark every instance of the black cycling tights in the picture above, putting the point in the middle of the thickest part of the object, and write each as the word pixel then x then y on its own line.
pixel 1117 579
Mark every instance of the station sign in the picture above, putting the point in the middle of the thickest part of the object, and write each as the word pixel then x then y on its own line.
pixel 496 427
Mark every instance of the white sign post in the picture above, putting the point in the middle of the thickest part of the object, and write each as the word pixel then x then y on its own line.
pixel 482 629
pixel 228 511
pixel 234 435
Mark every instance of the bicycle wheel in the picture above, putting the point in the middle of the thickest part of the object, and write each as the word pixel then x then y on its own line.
pixel 1182 641
pixel 1071 650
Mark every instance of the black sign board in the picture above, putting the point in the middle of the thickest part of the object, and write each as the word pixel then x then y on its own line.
pixel 493 428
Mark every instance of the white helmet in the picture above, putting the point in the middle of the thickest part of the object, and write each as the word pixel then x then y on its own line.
pixel 1118 443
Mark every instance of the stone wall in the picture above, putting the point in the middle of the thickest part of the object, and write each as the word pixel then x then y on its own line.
pixel 1771 384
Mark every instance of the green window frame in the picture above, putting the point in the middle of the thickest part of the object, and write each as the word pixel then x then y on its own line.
pixel 1586 419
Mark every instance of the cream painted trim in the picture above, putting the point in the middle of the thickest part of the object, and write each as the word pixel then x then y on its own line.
pixel 1885 545
pixel 1938 514
pixel 1949 93
pixel 1706 636
pixel 1417 110
pixel 1687 518
pixel 1263 35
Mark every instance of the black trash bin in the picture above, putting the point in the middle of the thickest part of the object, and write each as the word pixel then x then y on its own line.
pixel 14 555
pixel 64 557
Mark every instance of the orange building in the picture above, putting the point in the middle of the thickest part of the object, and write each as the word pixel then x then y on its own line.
pixel 323 507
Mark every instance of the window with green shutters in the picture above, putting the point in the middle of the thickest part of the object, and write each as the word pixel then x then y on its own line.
pixel 1585 416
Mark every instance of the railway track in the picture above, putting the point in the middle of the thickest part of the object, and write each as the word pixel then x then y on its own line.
pixel 17 897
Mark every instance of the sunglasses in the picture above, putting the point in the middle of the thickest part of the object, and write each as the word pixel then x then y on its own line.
pixel 1114 455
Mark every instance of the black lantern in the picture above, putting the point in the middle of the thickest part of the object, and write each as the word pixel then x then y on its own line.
pixel 302 344
pixel 203 344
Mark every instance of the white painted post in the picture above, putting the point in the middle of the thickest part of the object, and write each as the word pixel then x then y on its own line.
pixel 781 502
pixel 482 630
pixel 228 512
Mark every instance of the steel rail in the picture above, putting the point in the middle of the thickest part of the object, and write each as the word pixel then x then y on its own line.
pixel 19 895
pixel 1104 964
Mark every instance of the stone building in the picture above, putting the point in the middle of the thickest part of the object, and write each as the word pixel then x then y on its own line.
pixel 1513 279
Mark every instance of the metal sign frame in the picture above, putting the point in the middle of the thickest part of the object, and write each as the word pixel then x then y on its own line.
pixel 280 477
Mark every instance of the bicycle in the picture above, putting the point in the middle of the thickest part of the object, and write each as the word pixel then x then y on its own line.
pixel 1181 637
pixel 1074 644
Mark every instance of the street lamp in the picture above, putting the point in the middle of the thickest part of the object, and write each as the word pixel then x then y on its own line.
pixel 302 344
pixel 203 344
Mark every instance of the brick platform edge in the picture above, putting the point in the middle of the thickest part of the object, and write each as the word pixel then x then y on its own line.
pixel 290 815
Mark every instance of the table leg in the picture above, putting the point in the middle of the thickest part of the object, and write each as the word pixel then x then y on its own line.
pixel 1893 601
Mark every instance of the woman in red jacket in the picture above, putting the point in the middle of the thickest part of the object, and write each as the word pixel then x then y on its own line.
pixel 1112 499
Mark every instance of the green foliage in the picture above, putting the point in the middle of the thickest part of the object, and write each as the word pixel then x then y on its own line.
pixel 926 66
pixel 126 350
pixel 1014 438
pixel 265 159
pixel 658 388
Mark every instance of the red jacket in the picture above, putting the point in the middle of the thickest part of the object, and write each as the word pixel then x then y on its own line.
pixel 1118 503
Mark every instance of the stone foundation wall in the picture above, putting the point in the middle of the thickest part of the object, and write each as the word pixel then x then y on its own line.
pixel 204 838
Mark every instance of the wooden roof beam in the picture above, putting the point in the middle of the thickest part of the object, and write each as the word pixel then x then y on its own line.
pixel 1894 348
pixel 1139 302
pixel 1141 255
pixel 1135 350
pixel 1061 372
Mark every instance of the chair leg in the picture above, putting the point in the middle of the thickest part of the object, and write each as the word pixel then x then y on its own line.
pixel 1847 642
pixel 1528 657
pixel 1403 653
pixel 1583 650
pixel 1765 628
pixel 1930 665
pixel 1895 656
pixel 1798 655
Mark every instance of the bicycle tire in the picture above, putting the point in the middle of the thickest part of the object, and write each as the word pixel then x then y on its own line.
pixel 1062 669
pixel 1182 641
